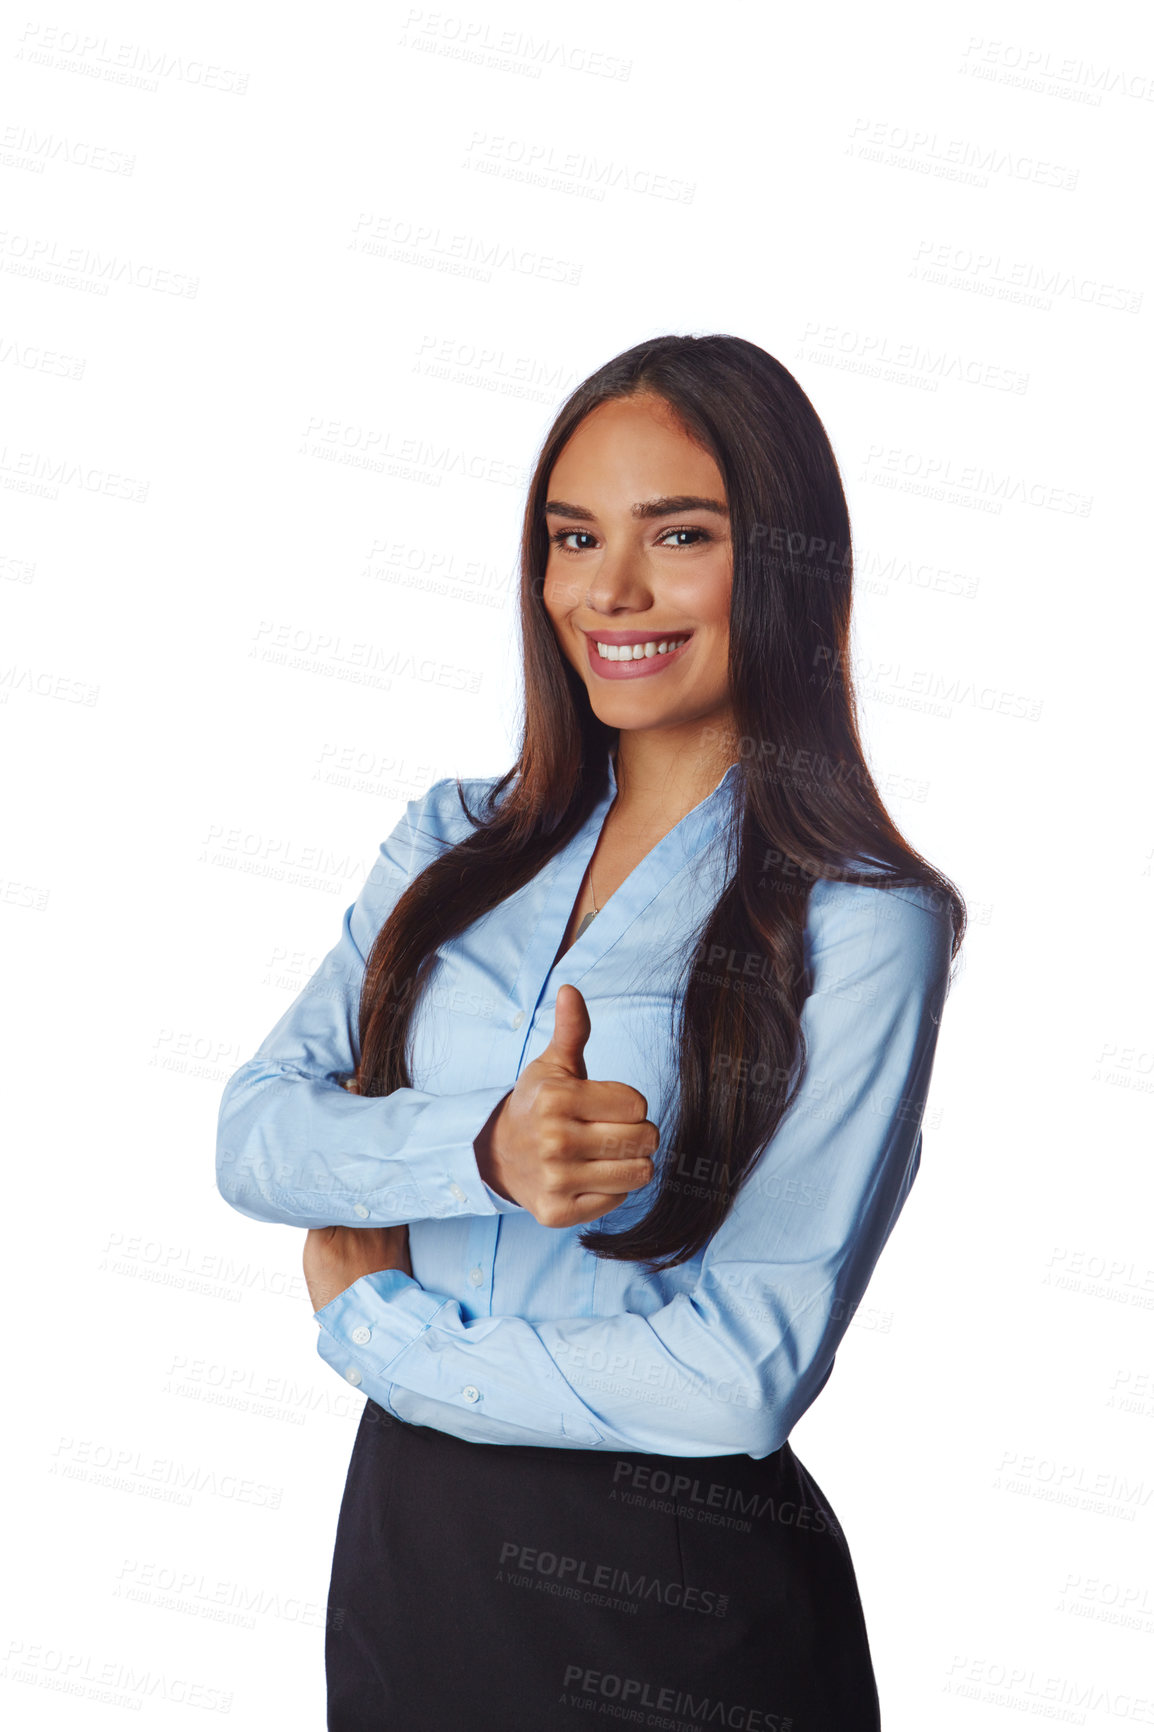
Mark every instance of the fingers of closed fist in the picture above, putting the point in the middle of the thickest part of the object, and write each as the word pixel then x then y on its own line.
pixel 558 1137
pixel 568 1143
pixel 609 1175
pixel 613 1140
pixel 576 1211
pixel 570 1097
pixel 588 1181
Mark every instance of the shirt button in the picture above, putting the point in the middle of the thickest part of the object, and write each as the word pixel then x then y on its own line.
pixel 476 1276
pixel 518 1019
pixel 361 1335
pixel 458 1193
pixel 470 1392
pixel 360 1210
pixel 352 1375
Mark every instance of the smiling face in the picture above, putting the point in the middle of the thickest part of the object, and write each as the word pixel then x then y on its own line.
pixel 641 564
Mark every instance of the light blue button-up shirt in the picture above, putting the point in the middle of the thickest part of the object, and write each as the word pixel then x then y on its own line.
pixel 508 1331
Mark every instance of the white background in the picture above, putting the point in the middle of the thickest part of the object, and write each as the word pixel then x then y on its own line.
pixel 290 299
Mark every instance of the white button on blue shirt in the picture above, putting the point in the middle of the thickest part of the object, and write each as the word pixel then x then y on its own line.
pixel 719 1355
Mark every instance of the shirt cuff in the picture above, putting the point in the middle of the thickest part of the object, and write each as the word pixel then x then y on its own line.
pixel 446 1171
pixel 364 1328
pixel 503 1205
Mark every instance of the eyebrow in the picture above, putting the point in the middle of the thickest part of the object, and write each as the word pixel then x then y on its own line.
pixel 666 507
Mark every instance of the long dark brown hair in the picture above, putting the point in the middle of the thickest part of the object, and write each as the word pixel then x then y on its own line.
pixel 806 804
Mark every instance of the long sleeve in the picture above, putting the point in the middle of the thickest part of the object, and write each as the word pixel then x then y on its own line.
pixel 294 1147
pixel 729 1365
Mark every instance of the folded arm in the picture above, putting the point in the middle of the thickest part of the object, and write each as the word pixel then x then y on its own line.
pixel 731 1365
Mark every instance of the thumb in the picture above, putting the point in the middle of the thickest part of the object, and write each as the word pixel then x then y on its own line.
pixel 571 1028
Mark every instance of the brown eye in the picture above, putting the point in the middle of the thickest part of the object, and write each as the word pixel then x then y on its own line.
pixel 698 534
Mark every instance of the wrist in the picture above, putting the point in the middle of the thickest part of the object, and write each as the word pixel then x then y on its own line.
pixel 487 1158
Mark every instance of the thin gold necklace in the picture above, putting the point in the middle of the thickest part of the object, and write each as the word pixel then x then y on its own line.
pixel 587 919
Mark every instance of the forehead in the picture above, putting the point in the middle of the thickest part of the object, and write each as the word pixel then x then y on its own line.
pixel 633 448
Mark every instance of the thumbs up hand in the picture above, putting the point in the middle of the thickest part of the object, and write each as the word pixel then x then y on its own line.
pixel 565 1148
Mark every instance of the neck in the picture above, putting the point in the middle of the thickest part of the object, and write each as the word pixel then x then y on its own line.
pixel 664 773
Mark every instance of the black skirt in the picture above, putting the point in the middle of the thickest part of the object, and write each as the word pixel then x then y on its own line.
pixel 500 1588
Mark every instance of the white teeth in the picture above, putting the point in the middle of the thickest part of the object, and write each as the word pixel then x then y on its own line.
pixel 625 652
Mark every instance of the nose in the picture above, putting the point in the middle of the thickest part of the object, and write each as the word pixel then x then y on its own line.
pixel 619 584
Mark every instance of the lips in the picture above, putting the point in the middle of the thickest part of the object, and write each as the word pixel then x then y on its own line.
pixel 632 637
pixel 639 668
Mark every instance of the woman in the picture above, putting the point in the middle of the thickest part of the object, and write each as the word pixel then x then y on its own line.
pixel 598 1172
